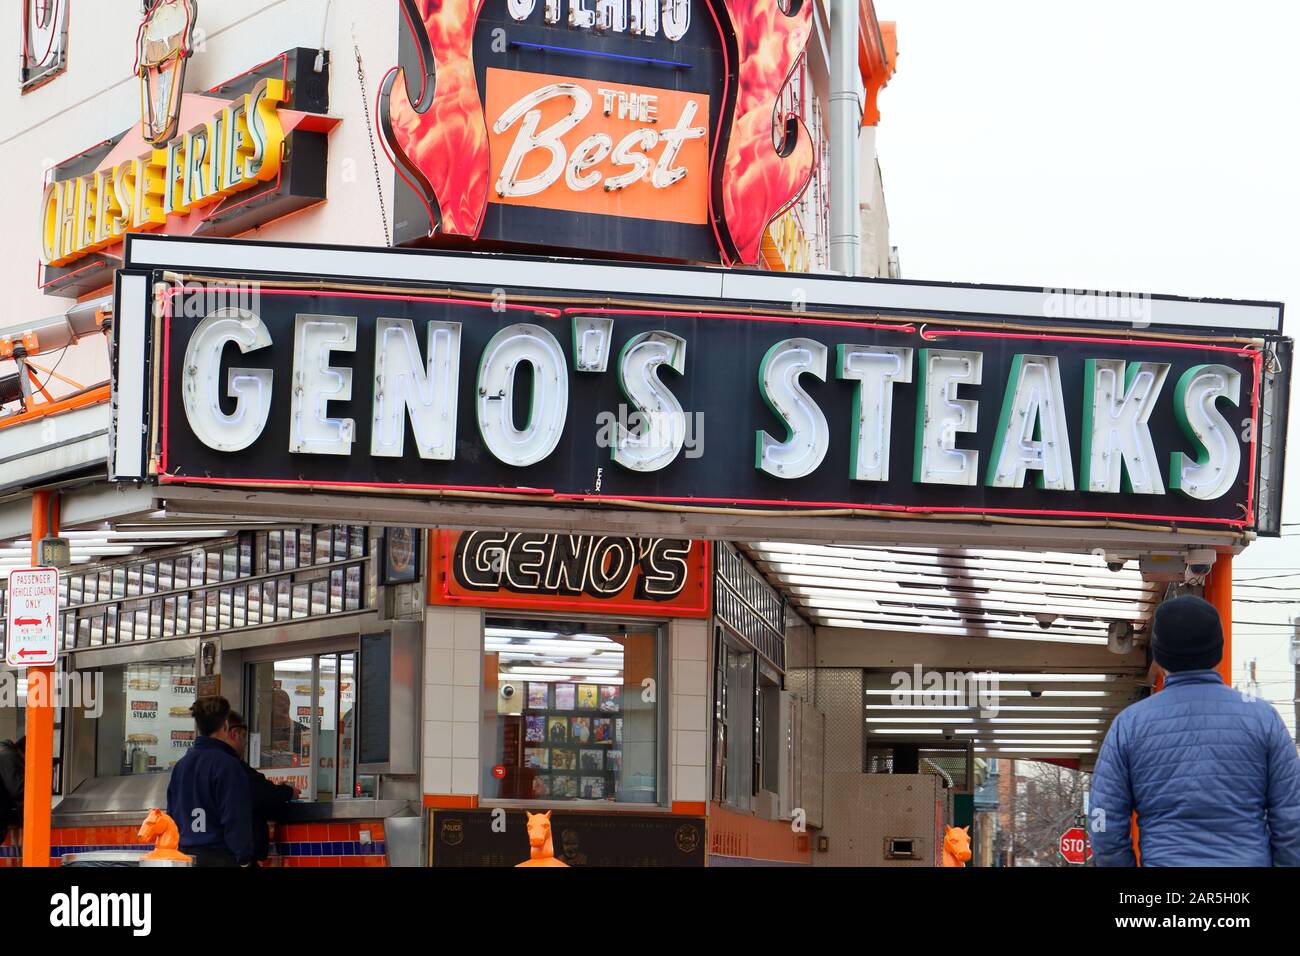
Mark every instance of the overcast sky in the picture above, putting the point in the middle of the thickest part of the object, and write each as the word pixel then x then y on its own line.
pixel 1135 145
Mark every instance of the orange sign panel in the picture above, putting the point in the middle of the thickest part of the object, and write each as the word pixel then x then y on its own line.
pixel 589 146
pixel 659 577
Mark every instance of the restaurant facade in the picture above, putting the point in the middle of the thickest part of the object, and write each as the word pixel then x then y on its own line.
pixel 481 416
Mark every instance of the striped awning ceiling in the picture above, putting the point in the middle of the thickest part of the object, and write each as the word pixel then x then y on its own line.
pixel 977 594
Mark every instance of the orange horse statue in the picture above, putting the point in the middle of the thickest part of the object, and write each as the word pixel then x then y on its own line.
pixel 161 830
pixel 956 846
pixel 542 849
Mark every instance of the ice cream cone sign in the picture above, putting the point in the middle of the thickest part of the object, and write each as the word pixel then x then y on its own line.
pixel 541 847
pixel 163 46
pixel 161 829
pixel 956 846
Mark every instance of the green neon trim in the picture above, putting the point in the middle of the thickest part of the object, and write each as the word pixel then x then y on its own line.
pixel 677 363
pixel 918 449
pixel 1178 459
pixel 762 390
pixel 1004 420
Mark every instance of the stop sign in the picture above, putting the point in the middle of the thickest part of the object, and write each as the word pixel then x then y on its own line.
pixel 1075 846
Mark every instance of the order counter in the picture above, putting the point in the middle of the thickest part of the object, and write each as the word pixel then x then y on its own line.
pixel 106 813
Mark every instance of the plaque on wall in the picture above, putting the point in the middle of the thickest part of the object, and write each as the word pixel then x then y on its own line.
pixel 467 838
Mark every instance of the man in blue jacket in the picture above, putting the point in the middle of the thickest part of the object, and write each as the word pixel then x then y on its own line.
pixel 208 795
pixel 1212 773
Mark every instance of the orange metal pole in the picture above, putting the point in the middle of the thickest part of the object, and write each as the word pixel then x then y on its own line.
pixel 1218 591
pixel 39 777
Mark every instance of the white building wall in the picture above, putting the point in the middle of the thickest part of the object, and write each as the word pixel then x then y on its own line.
pixel 688 689
pixel 98 97
pixel 453 682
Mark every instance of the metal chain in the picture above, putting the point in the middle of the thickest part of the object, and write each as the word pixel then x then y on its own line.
pixel 370 135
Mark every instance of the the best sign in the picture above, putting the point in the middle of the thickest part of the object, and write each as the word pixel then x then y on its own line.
pixel 32 610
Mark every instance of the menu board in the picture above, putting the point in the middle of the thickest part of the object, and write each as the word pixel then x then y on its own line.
pixel 375 668
pixel 159 727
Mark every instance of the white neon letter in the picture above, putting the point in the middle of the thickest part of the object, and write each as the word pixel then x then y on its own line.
pixel 875 369
pixel 528 139
pixel 664 423
pixel 808 435
pixel 665 173
pixel 1118 453
pixel 316 383
pixel 1214 470
pixel 405 385
pixel 250 387
pixel 549 403
pixel 941 415
pixel 676 18
pixel 1031 433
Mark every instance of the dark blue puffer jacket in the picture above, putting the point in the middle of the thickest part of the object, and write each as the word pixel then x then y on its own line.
pixel 1212 774
pixel 211 779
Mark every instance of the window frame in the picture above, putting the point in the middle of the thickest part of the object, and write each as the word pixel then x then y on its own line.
pixel 663 710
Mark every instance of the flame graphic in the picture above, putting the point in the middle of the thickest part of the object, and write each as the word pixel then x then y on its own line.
pixel 439 143
pixel 759 178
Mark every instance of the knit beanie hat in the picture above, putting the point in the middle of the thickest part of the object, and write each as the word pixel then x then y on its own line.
pixel 1188 635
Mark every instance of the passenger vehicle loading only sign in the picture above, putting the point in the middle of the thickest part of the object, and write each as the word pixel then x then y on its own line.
pixel 32 614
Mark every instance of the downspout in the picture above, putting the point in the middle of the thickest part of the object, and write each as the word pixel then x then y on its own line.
pixel 846 119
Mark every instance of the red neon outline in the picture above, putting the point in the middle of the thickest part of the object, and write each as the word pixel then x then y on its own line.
pixel 909 329
pixel 239 76
pixel 328 294
pixel 930 336
pixel 434 218
pixel 1254 433
pixel 164 478
pixel 166 370
pixel 68 275
pixel 181 479
pixel 220 209
pixel 43 61
pixel 440 594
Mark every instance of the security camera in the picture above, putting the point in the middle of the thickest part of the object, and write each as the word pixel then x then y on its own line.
pixel 1045 620
pixel 1035 694
pixel 507 691
pixel 1115 566
pixel 1199 562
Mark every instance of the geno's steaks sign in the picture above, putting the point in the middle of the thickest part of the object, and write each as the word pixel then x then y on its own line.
pixel 566 396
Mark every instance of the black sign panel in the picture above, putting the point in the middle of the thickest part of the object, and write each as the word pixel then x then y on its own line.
pixel 467 838
pixel 541 50
pixel 727 409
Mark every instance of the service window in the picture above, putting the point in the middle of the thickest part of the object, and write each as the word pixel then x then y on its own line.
pixel 146 725
pixel 571 712
pixel 301 724
pixel 735 705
